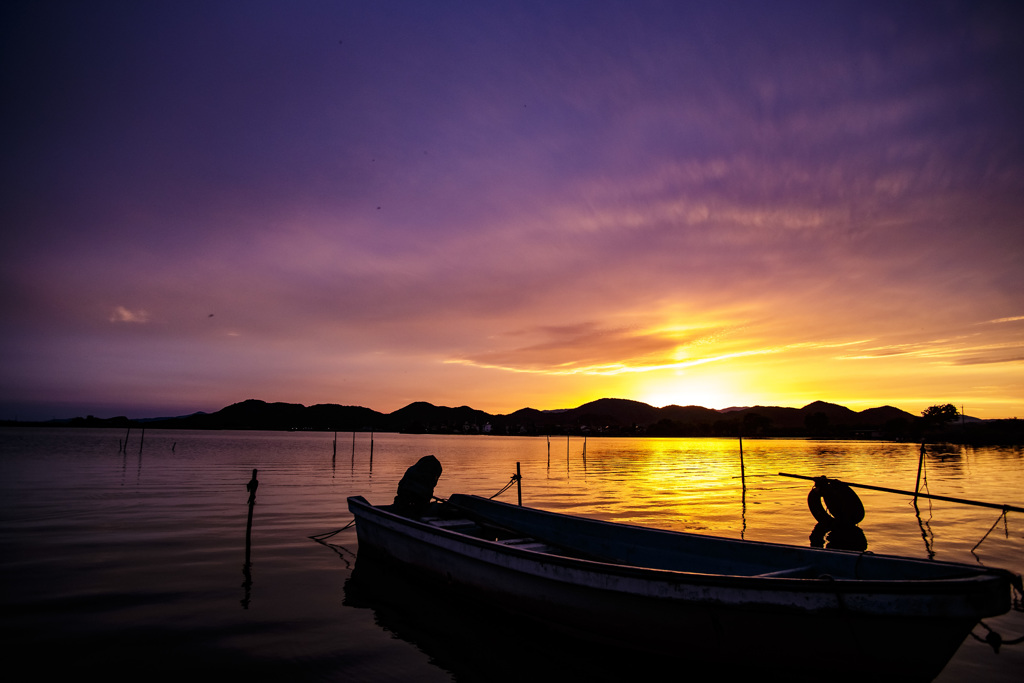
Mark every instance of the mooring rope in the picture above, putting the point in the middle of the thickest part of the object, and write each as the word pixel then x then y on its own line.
pixel 320 538
pixel 510 484
pixel 1002 516
pixel 994 639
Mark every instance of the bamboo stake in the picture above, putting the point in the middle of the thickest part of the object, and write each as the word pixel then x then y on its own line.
pixel 519 484
pixel 251 487
pixel 920 466
pixel 743 477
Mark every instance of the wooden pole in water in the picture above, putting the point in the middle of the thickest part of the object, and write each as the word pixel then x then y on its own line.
pixel 743 477
pixel 549 450
pixel 371 449
pixel 519 484
pixel 142 440
pixel 920 466
pixel 251 487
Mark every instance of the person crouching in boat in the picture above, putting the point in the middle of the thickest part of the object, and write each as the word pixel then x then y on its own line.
pixel 417 487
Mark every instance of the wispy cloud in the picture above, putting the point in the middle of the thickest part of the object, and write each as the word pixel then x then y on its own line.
pixel 955 351
pixel 124 315
pixel 591 349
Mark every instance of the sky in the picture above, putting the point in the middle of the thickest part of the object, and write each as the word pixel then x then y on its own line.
pixel 510 204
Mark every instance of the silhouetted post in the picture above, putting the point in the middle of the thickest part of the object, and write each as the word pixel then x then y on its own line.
pixel 549 450
pixel 142 440
pixel 371 449
pixel 519 484
pixel 920 466
pixel 251 487
pixel 742 470
pixel 743 491
pixel 584 451
pixel 126 435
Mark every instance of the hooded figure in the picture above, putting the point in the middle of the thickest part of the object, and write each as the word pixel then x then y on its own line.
pixel 417 487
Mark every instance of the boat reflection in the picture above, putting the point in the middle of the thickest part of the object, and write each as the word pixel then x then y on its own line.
pixel 838 537
pixel 476 643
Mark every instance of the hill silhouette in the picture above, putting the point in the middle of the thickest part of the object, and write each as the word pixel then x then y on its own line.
pixel 606 416
pixel 603 417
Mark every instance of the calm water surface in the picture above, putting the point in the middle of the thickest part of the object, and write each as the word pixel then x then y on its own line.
pixel 130 564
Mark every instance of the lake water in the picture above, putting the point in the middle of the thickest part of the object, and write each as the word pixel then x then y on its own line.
pixel 130 564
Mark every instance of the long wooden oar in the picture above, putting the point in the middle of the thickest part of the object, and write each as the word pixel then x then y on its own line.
pixel 996 506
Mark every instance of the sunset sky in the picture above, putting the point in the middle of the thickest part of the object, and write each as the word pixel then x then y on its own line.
pixel 511 204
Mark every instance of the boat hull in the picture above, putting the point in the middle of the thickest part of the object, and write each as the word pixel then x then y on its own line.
pixel 894 628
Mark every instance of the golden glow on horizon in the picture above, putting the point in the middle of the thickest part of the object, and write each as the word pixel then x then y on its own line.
pixel 740 366
pixel 709 391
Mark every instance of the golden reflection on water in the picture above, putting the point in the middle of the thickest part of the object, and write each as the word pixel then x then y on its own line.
pixel 698 485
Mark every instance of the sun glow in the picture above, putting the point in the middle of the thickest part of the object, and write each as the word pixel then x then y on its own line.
pixel 684 389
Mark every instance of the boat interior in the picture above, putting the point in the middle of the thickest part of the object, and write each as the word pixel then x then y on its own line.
pixel 580 538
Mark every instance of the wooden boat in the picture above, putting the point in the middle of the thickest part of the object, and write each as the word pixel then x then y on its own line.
pixel 712 600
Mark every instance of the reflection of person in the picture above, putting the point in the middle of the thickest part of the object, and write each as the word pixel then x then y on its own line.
pixel 838 537
pixel 417 487
pixel 251 487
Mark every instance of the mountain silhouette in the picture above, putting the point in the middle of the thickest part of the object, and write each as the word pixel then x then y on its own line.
pixel 603 417
pixel 606 416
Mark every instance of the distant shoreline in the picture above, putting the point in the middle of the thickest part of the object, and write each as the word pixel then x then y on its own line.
pixel 604 417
